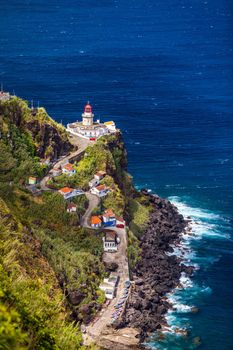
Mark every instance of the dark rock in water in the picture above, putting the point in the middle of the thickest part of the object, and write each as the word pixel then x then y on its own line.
pixel 195 309
pixel 197 341
pixel 156 273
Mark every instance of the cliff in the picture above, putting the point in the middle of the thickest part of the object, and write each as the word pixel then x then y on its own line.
pixel 27 138
pixel 51 268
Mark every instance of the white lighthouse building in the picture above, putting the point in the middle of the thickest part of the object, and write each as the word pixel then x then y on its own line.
pixel 87 115
pixel 88 128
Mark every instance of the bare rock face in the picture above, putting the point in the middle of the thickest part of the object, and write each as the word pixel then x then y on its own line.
pixel 156 273
pixel 51 142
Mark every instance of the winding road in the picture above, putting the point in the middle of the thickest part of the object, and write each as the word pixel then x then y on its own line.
pixel 93 203
pixel 76 141
pixel 97 329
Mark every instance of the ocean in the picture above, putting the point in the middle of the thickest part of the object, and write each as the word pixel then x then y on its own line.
pixel 163 70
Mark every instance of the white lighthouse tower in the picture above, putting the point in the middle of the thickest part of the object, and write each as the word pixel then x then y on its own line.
pixel 88 115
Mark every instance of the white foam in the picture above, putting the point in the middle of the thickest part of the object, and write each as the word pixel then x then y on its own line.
pixel 185 281
pixel 192 211
pixel 202 224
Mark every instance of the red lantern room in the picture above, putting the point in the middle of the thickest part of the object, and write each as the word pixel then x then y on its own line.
pixel 88 108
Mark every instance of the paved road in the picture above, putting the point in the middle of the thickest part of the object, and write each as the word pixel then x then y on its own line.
pixel 93 203
pixel 75 140
pixel 103 319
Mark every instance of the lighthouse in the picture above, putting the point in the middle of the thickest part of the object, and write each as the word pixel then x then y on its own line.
pixel 89 129
pixel 87 115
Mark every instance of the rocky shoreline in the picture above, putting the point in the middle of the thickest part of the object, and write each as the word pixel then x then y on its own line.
pixel 157 273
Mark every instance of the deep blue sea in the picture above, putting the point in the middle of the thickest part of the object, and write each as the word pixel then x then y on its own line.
pixel 163 70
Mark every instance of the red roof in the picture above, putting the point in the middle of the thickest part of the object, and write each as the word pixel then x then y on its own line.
pixel 95 220
pixel 101 187
pixel 68 167
pixel 109 213
pixel 71 205
pixel 100 173
pixel 110 235
pixel 88 108
pixel 65 190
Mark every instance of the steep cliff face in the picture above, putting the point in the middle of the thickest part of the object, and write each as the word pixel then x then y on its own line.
pixel 118 169
pixel 50 141
pixel 48 138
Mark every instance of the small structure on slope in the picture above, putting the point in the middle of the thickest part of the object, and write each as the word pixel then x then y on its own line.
pixel 68 192
pixel 109 218
pixel 4 96
pixel 32 180
pixel 100 191
pixel 56 172
pixel 68 169
pixel 110 241
pixel 96 222
pixel 100 175
pixel 71 208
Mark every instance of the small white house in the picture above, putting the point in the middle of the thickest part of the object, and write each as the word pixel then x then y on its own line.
pixel 56 172
pixel 32 180
pixel 71 208
pixel 110 241
pixel 68 192
pixel 112 279
pixel 68 169
pixel 93 183
pixel 4 96
pixel 108 289
pixel 109 218
pixel 100 191
pixel 111 126
pixel 100 175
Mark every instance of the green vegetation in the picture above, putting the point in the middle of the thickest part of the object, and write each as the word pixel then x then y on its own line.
pixel 32 312
pixel 74 253
pixel 139 211
pixel 107 154
pixel 26 136
pixel 50 267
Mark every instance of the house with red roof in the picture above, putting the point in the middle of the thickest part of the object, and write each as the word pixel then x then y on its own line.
pixel 96 222
pixel 56 172
pixel 68 169
pixel 110 241
pixel 100 191
pixel 68 192
pixel 71 208
pixel 109 218
pixel 100 175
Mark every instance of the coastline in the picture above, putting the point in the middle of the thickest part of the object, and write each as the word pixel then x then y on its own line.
pixel 158 272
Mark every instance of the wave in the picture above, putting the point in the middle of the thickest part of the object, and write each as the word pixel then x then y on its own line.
pixel 203 224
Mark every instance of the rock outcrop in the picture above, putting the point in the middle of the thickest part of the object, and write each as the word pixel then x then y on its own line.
pixel 157 273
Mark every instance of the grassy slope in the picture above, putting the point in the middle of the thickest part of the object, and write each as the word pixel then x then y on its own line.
pixel 32 311
pixel 46 255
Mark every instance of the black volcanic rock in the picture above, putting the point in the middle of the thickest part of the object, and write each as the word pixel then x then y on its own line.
pixel 156 273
